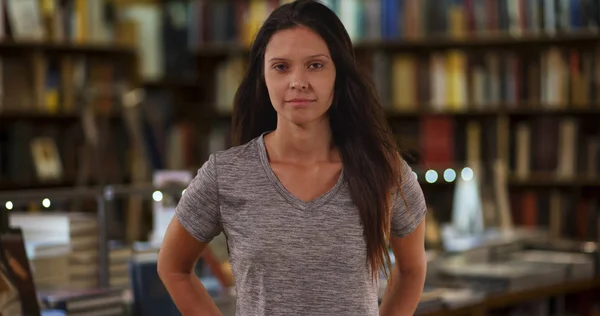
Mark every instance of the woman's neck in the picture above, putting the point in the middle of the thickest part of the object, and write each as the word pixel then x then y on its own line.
pixel 301 144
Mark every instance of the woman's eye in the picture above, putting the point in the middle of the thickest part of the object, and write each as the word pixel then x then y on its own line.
pixel 279 67
pixel 315 65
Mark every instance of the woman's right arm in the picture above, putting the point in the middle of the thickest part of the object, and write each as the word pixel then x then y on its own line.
pixel 196 222
pixel 178 256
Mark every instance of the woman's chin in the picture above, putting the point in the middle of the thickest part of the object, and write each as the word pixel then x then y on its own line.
pixel 305 118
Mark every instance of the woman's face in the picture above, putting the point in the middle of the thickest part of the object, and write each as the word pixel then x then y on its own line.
pixel 299 74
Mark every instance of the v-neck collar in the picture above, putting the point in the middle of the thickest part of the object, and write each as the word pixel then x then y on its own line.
pixel 293 199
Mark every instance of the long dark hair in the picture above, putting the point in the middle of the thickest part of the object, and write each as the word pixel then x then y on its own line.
pixel 360 131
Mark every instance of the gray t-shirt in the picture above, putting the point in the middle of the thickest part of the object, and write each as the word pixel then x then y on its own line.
pixel 288 257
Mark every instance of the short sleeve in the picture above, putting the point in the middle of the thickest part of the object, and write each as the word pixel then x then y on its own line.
pixel 407 213
pixel 198 209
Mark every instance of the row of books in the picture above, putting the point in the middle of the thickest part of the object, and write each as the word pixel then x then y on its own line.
pixel 166 45
pixel 74 21
pixel 237 21
pixel 57 153
pixel 554 78
pixel 564 214
pixel 51 85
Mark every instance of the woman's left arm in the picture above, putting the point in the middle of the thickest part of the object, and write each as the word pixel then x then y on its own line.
pixel 408 274
pixel 408 244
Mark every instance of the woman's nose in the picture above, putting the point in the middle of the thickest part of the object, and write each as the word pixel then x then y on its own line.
pixel 298 81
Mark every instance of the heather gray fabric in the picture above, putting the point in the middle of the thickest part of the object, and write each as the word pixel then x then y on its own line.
pixel 288 257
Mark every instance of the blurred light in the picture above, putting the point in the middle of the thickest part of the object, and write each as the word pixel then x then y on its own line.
pixel 46 203
pixel 9 205
pixel 157 196
pixel 467 174
pixel 183 192
pixel 449 175
pixel 431 176
pixel 590 247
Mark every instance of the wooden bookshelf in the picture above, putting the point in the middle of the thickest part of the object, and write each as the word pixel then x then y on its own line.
pixel 10 116
pixel 498 40
pixel 433 43
pixel 518 110
pixel 38 117
pixel 104 50
pixel 10 185
pixel 549 181
pixel 170 83
pixel 48 103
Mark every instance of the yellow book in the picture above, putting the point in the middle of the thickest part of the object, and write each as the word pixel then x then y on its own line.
pixel 257 14
pixel 81 18
pixel 456 81
pixel 403 83
pixel 456 16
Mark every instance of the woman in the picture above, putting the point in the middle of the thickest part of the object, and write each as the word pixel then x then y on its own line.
pixel 313 193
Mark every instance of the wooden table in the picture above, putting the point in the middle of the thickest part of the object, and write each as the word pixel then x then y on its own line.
pixel 514 298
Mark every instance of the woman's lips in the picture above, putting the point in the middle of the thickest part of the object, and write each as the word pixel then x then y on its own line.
pixel 299 102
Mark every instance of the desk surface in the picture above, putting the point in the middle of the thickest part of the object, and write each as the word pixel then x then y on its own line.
pixel 513 298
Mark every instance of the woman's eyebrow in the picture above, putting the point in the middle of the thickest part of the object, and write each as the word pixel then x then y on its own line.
pixel 308 57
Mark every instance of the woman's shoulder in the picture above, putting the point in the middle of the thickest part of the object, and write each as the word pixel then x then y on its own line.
pixel 236 155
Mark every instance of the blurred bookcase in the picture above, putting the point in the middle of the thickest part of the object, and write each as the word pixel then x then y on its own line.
pixel 65 68
pixel 69 114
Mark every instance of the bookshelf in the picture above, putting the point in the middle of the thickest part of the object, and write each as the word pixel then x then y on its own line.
pixel 69 114
pixel 55 108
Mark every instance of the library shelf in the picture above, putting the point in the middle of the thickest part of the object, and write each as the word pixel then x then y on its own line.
pixel 553 181
pixel 482 111
pixel 59 47
pixel 436 42
pixel 47 117
pixel 170 83
pixel 483 40
pixel 7 185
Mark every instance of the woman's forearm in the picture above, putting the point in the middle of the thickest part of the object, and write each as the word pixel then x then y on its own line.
pixel 404 293
pixel 189 294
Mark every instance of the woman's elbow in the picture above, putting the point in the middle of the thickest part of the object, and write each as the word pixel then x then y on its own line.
pixel 417 267
pixel 171 265
pixel 162 267
pixel 178 253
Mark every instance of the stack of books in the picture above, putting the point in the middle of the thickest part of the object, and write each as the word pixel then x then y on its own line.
pixel 77 231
